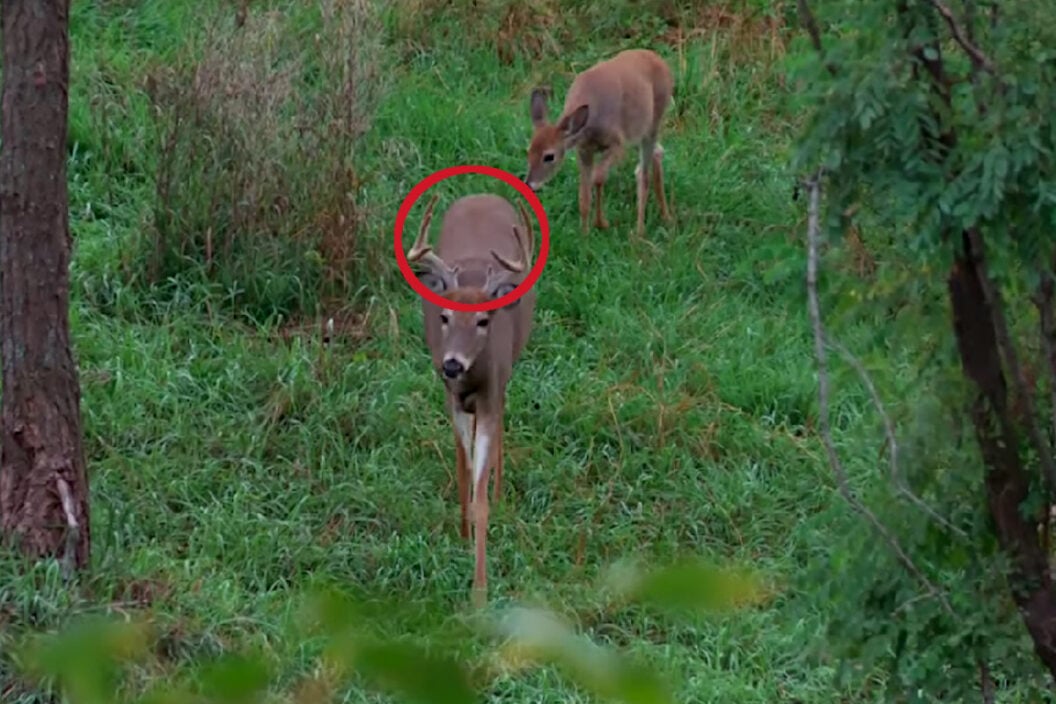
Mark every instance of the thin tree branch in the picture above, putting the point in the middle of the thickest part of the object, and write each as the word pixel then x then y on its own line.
pixel 979 59
pixel 969 31
pixel 986 683
pixel 840 472
pixel 1043 302
pixel 892 441
pixel 810 23
pixel 73 532
pixel 1011 358
pixel 813 236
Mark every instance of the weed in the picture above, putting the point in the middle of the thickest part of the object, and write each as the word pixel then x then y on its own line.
pixel 257 186
pixel 664 406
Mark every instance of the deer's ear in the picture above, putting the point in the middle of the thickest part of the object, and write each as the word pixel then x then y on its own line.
pixel 437 280
pixel 502 289
pixel 434 282
pixel 572 125
pixel 538 107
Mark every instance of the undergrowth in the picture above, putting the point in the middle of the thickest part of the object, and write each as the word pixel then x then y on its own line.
pixel 233 188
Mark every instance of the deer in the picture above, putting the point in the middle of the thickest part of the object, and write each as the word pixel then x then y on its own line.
pixel 484 251
pixel 613 105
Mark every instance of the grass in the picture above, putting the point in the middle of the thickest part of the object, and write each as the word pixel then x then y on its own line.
pixel 665 406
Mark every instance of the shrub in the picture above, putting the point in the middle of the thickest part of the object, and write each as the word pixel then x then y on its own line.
pixel 258 127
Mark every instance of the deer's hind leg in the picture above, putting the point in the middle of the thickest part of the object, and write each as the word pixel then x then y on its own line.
pixel 642 175
pixel 658 181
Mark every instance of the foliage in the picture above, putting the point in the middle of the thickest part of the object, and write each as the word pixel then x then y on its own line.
pixel 665 404
pixel 529 31
pixel 929 122
pixel 257 186
pixel 877 127
pixel 86 660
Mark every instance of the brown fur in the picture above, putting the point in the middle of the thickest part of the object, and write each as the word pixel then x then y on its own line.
pixel 613 105
pixel 483 252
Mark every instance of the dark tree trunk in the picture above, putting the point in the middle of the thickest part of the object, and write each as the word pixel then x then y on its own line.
pixel 43 483
pixel 1008 482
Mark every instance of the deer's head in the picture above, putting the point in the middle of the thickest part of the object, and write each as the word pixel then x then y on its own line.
pixel 464 336
pixel 550 142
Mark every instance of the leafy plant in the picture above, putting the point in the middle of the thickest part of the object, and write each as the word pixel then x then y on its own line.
pixel 932 117
pixel 260 125
pixel 84 661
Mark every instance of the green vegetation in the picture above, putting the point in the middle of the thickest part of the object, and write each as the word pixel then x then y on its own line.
pixel 666 406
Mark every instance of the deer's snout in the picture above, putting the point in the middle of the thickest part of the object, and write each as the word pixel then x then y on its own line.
pixel 453 368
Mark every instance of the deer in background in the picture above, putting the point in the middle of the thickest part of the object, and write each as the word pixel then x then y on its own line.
pixel 484 252
pixel 614 104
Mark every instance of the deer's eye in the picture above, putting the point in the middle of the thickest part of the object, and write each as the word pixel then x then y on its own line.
pixel 548 157
pixel 444 320
pixel 483 323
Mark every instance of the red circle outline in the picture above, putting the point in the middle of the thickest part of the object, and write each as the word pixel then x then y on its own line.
pixel 436 177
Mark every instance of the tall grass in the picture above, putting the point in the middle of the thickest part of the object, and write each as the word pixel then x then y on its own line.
pixel 664 406
pixel 257 183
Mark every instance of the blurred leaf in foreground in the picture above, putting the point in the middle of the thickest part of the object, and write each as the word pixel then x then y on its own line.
pixel 235 679
pixel 403 668
pixel 690 585
pixel 537 636
pixel 327 611
pixel 84 658
pixel 348 624
pixel 165 693
pixel 419 675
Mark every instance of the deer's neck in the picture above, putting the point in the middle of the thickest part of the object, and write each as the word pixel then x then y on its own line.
pixel 474 391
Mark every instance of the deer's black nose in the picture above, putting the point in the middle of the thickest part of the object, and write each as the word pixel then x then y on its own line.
pixel 452 368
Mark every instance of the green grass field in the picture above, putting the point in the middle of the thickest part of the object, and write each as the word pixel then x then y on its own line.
pixel 666 405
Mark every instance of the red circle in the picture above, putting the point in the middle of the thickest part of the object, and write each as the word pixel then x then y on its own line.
pixel 436 177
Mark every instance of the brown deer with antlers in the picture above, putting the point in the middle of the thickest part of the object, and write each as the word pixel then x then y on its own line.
pixel 484 252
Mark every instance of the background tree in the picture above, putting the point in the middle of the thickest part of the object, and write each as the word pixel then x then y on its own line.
pixel 43 484
pixel 938 121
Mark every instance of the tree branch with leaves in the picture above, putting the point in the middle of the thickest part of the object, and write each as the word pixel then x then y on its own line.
pixel 968 165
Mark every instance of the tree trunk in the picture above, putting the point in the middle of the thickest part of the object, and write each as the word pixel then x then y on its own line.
pixel 43 483
pixel 1007 479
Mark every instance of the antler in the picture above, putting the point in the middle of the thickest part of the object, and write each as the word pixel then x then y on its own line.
pixel 528 241
pixel 525 243
pixel 443 276
pixel 421 250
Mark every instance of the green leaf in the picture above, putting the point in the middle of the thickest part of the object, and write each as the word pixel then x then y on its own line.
pixel 84 657
pixel 411 671
pixel 537 636
pixel 328 611
pixel 691 585
pixel 235 679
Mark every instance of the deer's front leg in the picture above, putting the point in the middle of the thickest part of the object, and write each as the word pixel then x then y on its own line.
pixel 586 178
pixel 484 444
pixel 463 423
pixel 599 217
pixel 497 488
pixel 601 175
